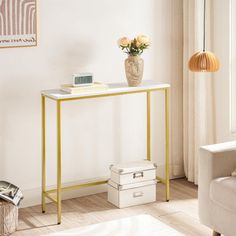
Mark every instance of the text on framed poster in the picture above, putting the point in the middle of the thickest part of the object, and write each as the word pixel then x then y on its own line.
pixel 18 23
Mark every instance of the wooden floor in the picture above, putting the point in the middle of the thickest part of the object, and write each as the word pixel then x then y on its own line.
pixel 181 212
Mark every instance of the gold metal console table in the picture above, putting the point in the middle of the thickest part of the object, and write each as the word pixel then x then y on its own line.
pixel 113 90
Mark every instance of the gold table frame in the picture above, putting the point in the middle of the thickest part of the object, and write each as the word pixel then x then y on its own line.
pixel 59 189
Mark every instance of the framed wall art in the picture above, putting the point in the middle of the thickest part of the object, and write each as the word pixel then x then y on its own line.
pixel 18 23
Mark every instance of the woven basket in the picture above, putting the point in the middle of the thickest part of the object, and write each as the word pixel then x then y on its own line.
pixel 8 218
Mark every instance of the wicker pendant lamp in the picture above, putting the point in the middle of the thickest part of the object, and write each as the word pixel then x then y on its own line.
pixel 204 61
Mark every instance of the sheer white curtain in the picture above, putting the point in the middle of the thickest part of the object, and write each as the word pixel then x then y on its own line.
pixel 198 94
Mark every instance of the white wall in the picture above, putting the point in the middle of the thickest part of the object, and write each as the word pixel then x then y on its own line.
pixel 77 36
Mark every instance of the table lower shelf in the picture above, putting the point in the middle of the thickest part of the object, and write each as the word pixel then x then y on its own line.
pixel 48 193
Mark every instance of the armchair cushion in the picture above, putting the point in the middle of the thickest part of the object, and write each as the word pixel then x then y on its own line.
pixel 223 192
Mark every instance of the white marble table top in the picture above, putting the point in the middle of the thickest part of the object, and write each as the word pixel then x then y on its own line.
pixel 113 89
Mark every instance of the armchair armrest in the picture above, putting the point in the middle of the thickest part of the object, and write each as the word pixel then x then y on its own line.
pixel 218 160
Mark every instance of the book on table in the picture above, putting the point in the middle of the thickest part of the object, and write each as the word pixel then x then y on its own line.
pixel 69 88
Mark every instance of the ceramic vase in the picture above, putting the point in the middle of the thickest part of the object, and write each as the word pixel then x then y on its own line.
pixel 134 70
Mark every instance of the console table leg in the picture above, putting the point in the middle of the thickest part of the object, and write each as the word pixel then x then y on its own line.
pixel 148 126
pixel 167 144
pixel 43 155
pixel 58 162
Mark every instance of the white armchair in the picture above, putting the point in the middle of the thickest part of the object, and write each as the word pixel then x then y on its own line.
pixel 217 188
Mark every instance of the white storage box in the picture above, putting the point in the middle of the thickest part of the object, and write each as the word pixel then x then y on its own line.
pixel 131 194
pixel 133 172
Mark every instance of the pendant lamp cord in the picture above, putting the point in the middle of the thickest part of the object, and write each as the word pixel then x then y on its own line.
pixel 204 27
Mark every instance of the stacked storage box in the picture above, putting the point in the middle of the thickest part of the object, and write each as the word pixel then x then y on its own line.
pixel 132 184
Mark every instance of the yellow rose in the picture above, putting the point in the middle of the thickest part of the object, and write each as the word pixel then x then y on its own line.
pixel 138 44
pixel 142 39
pixel 124 42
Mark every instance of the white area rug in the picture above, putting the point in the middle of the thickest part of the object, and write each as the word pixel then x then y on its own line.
pixel 141 225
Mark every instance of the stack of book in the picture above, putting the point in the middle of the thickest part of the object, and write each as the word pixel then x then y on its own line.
pixel 69 88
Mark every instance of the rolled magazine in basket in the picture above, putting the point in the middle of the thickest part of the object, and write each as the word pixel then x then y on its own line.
pixel 10 193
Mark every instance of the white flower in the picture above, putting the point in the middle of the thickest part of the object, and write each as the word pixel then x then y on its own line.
pixel 124 42
pixel 142 39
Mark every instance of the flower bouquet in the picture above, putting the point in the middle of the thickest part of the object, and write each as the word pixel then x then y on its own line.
pixel 134 63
